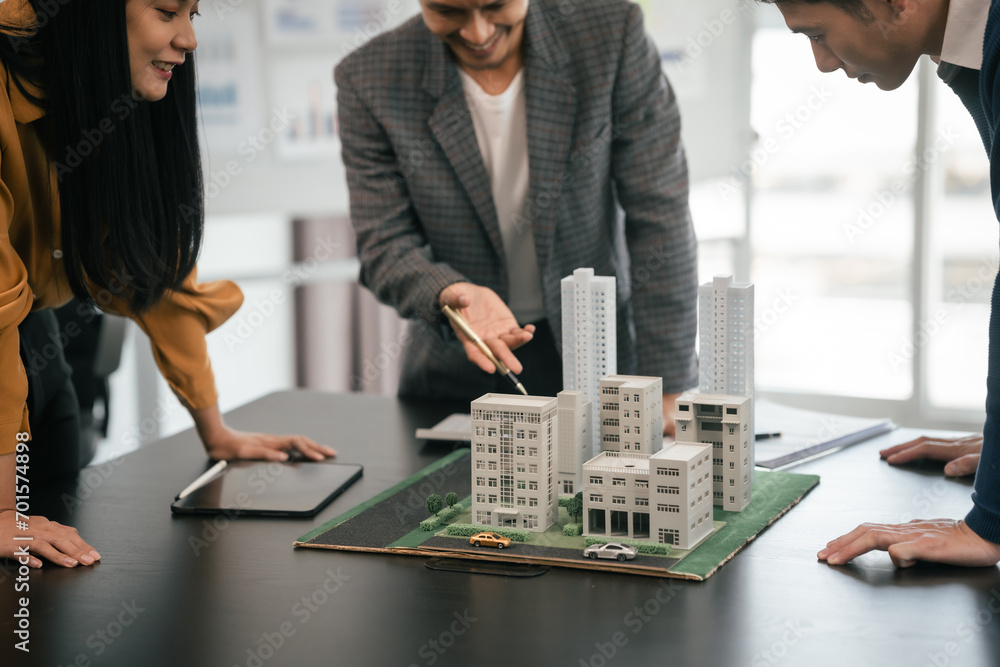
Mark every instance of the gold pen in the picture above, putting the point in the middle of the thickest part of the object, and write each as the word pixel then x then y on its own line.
pixel 463 326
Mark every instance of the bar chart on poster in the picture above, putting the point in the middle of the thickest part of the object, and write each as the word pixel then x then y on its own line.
pixel 268 99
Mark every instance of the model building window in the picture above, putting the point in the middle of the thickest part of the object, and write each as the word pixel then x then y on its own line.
pixel 532 435
pixel 642 502
pixel 493 482
pixel 532 486
pixel 530 521
pixel 480 448
pixel 480 431
pixel 493 499
pixel 617 500
pixel 480 481
pixel 532 502
pixel 491 449
pixel 533 469
pixel 480 465
pixel 480 497
pixel 520 450
pixel 521 484
pixel 521 502
pixel 492 432
pixel 520 434
pixel 596 498
pixel 533 452
pixel 618 481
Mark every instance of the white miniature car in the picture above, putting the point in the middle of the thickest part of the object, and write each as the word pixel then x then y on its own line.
pixel 611 551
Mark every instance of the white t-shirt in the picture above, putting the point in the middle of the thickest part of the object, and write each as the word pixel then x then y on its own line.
pixel 501 123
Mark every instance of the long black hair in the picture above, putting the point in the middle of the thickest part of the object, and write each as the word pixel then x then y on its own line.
pixel 129 173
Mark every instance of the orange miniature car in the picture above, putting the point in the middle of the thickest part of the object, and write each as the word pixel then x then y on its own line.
pixel 489 540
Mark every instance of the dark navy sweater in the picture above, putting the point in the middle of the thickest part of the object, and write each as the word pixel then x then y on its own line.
pixel 980 93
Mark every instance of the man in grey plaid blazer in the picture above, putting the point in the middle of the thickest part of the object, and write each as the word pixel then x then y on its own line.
pixel 608 183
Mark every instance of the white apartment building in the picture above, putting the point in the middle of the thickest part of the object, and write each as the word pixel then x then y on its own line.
pixel 725 317
pixel 726 335
pixel 575 439
pixel 616 495
pixel 665 498
pixel 724 423
pixel 631 414
pixel 514 440
pixel 680 494
pixel 589 335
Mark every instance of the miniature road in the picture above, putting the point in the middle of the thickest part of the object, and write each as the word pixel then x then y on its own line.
pixel 538 551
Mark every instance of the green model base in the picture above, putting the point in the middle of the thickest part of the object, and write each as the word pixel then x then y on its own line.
pixel 366 528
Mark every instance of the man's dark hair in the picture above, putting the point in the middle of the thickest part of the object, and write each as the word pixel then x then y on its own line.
pixel 131 199
pixel 855 8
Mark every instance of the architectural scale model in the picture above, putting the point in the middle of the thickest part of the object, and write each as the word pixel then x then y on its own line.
pixel 589 336
pixel 724 423
pixel 514 441
pixel 526 450
pixel 725 331
pixel 575 438
pixel 631 414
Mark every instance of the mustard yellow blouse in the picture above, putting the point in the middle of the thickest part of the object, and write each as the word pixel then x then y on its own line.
pixel 32 276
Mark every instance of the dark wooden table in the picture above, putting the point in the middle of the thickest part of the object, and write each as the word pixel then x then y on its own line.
pixel 184 592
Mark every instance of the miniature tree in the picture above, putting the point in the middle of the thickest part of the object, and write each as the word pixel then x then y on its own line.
pixel 434 503
pixel 575 507
pixel 451 499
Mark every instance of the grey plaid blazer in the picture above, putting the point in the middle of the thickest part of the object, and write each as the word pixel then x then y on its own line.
pixel 608 188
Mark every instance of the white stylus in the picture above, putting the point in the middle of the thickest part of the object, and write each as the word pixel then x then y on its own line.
pixel 203 479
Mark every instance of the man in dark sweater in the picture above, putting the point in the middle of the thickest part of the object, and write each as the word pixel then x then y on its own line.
pixel 880 41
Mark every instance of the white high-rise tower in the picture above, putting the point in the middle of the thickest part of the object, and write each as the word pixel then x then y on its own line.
pixel 589 340
pixel 725 350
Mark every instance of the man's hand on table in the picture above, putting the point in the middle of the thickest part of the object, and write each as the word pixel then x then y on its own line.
pixel 492 320
pixel 936 540
pixel 962 454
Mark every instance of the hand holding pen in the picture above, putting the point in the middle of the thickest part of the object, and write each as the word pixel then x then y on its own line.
pixel 488 316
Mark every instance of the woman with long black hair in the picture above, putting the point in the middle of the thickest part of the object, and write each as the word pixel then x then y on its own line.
pixel 101 198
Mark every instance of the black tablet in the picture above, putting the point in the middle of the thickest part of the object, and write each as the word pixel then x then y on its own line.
pixel 266 488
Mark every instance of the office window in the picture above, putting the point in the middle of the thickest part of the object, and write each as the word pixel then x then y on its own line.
pixel 849 262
